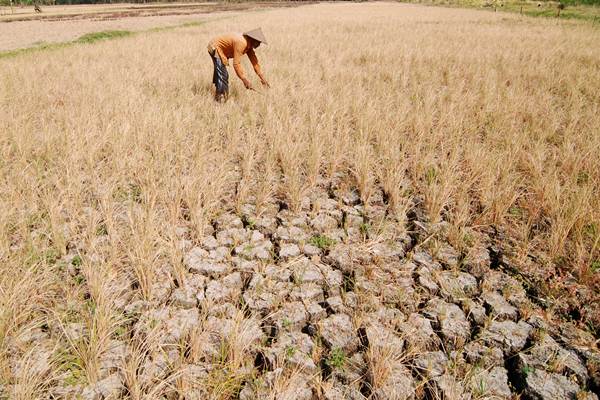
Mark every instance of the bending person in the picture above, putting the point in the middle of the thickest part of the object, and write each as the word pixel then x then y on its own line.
pixel 232 45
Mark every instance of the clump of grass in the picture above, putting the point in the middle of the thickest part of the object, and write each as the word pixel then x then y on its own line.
pixel 37 47
pixel 71 365
pixel 322 242
pixel 290 351
pixel 286 323
pixel 76 261
pixel 337 359
pixel 365 229
pixel 527 370
pixel 103 35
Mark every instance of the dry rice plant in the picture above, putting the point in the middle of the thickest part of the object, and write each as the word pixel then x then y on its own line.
pixel 488 119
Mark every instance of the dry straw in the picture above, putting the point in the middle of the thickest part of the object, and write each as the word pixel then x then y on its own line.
pixel 491 119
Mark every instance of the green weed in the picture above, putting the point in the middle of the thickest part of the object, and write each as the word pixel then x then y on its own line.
pixel 365 228
pixel 528 370
pixel 431 175
pixel 321 241
pixel 337 359
pixel 515 211
pixel 76 261
pixel 104 35
pixel 591 230
pixel 583 178
pixel 72 367
pixel 101 230
pixel 290 351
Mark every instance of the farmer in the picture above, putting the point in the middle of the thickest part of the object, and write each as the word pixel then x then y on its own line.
pixel 222 48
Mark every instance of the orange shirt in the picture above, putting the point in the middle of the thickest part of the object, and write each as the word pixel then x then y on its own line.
pixel 235 45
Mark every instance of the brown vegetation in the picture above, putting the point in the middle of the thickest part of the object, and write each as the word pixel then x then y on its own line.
pixel 111 153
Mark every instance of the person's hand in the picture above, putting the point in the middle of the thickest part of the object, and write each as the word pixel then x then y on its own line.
pixel 248 85
pixel 265 83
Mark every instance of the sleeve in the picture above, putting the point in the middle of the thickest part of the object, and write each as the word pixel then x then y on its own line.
pixel 223 57
pixel 237 62
pixel 255 64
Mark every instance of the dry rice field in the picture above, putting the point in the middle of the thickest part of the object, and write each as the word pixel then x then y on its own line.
pixel 412 211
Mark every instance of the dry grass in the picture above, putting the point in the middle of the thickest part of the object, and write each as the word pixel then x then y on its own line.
pixel 491 119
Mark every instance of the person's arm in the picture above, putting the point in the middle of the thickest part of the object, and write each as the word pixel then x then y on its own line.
pixel 256 66
pixel 237 66
pixel 223 57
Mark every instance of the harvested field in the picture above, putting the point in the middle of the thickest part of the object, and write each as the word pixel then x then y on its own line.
pixel 24 34
pixel 121 10
pixel 65 11
pixel 412 211
pixel 24 28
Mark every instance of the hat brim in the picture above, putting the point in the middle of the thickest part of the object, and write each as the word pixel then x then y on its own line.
pixel 257 35
pixel 257 39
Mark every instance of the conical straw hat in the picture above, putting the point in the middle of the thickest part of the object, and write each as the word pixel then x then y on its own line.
pixel 256 34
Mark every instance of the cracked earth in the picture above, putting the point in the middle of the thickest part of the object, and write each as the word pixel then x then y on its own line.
pixel 334 301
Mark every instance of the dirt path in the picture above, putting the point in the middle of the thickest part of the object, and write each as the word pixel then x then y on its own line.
pixel 64 23
pixel 29 33
pixel 113 11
